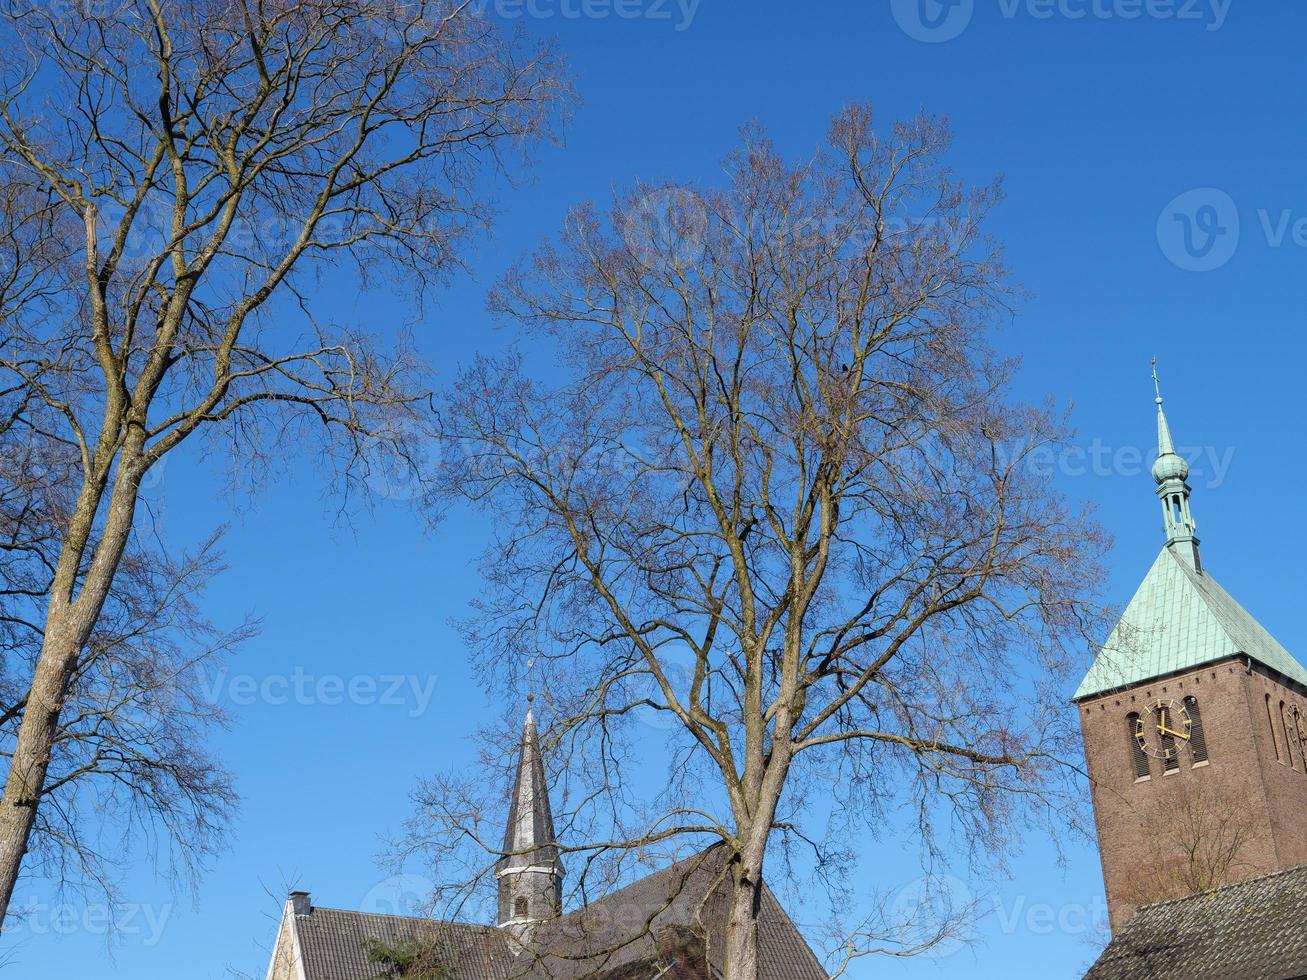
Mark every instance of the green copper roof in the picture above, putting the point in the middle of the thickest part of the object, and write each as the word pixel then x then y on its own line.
pixel 1180 618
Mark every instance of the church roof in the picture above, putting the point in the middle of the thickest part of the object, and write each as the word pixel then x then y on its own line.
pixel 609 938
pixel 1256 928
pixel 1181 618
pixel 333 944
pixel 619 931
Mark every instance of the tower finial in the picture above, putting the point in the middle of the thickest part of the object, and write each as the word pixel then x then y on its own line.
pixel 1171 470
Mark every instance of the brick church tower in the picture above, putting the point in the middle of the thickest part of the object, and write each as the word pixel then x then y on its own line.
pixel 1195 728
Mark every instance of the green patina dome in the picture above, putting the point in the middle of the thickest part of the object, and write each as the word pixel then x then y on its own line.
pixel 1171 466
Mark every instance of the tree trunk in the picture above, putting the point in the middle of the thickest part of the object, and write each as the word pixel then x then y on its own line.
pixel 31 757
pixel 741 960
pixel 68 627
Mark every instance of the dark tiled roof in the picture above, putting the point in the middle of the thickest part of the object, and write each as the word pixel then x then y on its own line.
pixel 334 943
pixel 1251 930
pixel 620 929
pixel 611 936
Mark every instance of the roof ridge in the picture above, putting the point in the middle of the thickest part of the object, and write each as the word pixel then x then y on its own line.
pixel 1180 619
pixel 1255 879
pixel 408 918
pixel 666 869
pixel 1234 622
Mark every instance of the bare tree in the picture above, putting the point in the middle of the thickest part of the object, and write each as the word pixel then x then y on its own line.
pixel 182 170
pixel 1208 841
pixel 777 492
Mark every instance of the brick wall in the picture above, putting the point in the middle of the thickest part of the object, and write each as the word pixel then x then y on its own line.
pixel 1244 792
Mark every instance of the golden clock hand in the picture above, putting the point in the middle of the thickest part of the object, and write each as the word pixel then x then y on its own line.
pixel 1167 731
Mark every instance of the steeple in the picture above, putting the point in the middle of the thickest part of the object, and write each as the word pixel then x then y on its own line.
pixel 530 873
pixel 1171 471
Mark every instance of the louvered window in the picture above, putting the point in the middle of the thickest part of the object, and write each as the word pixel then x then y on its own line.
pixel 1197 740
pixel 1170 757
pixel 1137 754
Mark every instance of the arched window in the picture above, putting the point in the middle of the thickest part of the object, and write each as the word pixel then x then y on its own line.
pixel 1197 740
pixel 1137 755
pixel 520 908
pixel 1270 723
pixel 1284 727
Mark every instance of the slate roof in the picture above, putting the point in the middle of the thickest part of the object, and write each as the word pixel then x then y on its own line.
pixel 529 834
pixel 1252 930
pixel 609 936
pixel 1178 619
pixel 333 944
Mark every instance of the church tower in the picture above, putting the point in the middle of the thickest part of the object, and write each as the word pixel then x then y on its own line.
pixel 530 874
pixel 1195 728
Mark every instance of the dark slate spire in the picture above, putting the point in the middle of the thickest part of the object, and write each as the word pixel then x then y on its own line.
pixel 530 873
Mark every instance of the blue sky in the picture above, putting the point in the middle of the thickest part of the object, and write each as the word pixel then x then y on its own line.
pixel 1152 157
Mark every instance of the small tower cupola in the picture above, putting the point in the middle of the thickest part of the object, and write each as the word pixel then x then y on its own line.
pixel 530 873
pixel 1171 471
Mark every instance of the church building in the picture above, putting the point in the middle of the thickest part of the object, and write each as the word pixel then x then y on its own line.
pixel 1195 731
pixel 669 925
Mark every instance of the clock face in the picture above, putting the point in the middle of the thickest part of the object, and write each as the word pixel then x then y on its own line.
pixel 1164 728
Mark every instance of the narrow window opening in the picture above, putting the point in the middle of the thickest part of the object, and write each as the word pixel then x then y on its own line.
pixel 1270 723
pixel 520 908
pixel 1292 729
pixel 1137 754
pixel 1284 727
pixel 1197 738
